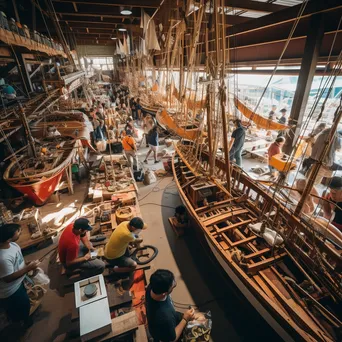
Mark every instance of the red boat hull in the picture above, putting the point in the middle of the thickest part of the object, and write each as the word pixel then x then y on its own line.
pixel 39 192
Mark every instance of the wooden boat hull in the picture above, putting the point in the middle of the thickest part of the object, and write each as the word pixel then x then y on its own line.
pixel 260 121
pixel 39 192
pixel 73 129
pixel 39 186
pixel 168 123
pixel 253 285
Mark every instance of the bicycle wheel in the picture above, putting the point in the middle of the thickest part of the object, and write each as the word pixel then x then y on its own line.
pixel 144 255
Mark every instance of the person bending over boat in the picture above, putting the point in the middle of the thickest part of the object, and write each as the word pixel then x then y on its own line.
pixel 116 250
pixel 236 142
pixel 130 149
pixel 275 148
pixel 74 249
pixel 13 295
pixel 333 211
pixel 164 322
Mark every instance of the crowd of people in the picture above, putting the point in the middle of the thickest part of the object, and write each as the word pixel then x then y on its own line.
pixel 123 109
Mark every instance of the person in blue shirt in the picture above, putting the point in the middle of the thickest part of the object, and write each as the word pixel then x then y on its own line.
pixel 236 143
pixel 100 137
pixel 153 142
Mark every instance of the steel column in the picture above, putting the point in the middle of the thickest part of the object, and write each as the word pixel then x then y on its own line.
pixel 306 75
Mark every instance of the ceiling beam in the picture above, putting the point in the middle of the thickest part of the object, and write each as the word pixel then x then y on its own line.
pixel 254 5
pixel 132 3
pixel 289 14
pixel 75 6
pixel 104 15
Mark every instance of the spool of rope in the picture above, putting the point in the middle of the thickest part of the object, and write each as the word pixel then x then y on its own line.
pixel 124 214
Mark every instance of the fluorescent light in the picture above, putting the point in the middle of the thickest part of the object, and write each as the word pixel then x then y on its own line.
pixel 113 38
pixel 122 29
pixel 126 12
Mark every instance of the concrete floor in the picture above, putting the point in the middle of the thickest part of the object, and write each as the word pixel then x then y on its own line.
pixel 200 280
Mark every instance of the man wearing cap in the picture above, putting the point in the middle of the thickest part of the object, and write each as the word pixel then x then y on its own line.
pixel 130 148
pixel 73 254
pixel 282 119
pixel 116 250
pixel 333 211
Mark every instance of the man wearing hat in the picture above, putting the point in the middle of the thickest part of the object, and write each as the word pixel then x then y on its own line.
pixel 116 250
pixel 282 119
pixel 333 211
pixel 73 254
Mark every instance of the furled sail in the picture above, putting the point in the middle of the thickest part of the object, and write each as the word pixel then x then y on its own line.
pixel 259 120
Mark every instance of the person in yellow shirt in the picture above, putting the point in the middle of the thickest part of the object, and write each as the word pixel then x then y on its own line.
pixel 130 149
pixel 116 250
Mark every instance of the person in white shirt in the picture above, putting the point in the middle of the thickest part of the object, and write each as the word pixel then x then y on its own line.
pixel 13 295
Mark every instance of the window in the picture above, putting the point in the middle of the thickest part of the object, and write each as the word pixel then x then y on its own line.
pixel 101 63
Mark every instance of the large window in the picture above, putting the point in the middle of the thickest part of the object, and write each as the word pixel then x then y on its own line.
pixel 98 63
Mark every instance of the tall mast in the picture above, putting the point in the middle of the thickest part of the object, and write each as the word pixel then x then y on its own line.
pixel 27 130
pixel 223 97
pixel 209 108
pixel 317 166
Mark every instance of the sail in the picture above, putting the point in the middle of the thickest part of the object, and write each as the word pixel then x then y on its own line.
pixel 260 121
pixel 167 122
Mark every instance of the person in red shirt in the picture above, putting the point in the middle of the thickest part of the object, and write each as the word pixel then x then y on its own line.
pixel 74 249
pixel 275 148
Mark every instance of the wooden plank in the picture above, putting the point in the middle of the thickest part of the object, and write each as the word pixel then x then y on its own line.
pixel 223 217
pixel 214 205
pixel 121 325
pixel 233 226
pixel 192 180
pixel 256 267
pixel 243 241
pixel 256 254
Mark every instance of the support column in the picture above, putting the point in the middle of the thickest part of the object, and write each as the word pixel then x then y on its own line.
pixel 24 73
pixel 306 74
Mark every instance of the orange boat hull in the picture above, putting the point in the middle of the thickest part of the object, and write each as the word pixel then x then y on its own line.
pixel 260 121
pixel 40 191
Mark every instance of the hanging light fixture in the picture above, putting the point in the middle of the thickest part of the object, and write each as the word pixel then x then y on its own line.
pixel 125 10
pixel 113 38
pixel 122 29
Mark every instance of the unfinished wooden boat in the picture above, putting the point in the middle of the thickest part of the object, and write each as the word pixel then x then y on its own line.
pixel 74 124
pixel 289 272
pixel 38 177
pixel 259 120
pixel 190 131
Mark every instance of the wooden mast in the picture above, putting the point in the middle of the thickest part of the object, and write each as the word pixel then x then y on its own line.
pixel 209 108
pixel 223 96
pixel 316 167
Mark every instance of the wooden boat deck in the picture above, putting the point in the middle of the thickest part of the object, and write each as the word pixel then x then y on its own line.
pixel 224 218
